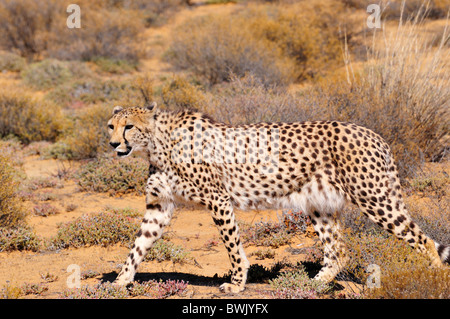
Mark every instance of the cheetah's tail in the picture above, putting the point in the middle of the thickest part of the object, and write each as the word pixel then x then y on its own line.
pixel 444 252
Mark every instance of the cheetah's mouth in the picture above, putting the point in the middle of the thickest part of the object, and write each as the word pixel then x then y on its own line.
pixel 126 153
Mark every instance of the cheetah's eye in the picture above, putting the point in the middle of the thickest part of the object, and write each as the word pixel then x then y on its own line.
pixel 110 126
pixel 129 127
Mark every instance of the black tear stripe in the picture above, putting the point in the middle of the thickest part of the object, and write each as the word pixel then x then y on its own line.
pixel 123 135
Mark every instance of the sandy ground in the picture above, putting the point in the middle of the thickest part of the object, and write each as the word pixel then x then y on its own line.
pixel 189 228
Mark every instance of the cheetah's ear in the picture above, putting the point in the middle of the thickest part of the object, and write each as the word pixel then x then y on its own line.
pixel 151 106
pixel 117 109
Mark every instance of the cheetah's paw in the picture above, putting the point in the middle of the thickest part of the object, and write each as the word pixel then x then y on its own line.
pixel 227 287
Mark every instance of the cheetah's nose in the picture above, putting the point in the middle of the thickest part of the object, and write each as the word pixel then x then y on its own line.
pixel 114 144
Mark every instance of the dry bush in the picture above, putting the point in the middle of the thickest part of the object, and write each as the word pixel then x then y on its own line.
pixel 25 24
pixel 28 118
pixel 12 212
pixel 404 272
pixel 413 283
pixel 214 46
pixel 156 12
pixel 391 9
pixel 432 211
pixel 38 28
pixel 86 135
pixel 111 33
pixel 278 44
pixel 401 92
pixel 247 100
pixel 407 80
pixel 179 94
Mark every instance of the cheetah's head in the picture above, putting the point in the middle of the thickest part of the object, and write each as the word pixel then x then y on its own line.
pixel 126 128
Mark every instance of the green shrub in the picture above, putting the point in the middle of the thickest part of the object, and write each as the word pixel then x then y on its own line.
pixel 46 74
pixel 28 118
pixel 103 229
pixel 100 291
pixel 111 227
pixel 296 284
pixel 88 91
pixel 11 62
pixel 113 176
pixel 18 238
pixel 115 66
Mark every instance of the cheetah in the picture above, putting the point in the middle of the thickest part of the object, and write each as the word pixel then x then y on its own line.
pixel 314 167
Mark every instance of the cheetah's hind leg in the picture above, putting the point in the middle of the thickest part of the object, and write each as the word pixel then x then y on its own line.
pixel 335 252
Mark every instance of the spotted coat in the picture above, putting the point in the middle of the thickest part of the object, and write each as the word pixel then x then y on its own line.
pixel 315 167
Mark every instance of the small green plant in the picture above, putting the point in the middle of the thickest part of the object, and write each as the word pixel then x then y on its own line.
pixel 265 253
pixel 89 274
pixel 33 289
pixel 42 182
pixel 159 289
pixel 44 210
pixel 48 277
pixel 100 291
pixel 115 66
pixel 296 284
pixel 153 289
pixel 127 211
pixel 164 250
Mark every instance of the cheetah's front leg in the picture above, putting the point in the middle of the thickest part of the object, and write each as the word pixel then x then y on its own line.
pixel 159 209
pixel 223 217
